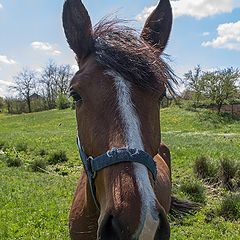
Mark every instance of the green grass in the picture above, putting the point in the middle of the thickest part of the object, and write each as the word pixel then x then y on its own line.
pixel 50 130
pixel 36 205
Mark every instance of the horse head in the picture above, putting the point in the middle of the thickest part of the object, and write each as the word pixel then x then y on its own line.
pixel 117 89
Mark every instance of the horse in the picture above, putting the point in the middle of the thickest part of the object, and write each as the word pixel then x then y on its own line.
pixel 124 192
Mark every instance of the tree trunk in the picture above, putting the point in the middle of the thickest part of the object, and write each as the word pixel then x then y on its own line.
pixel 29 105
pixel 219 107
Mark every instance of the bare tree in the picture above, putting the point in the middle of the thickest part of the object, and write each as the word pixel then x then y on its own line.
pixel 48 79
pixel 55 81
pixel 65 74
pixel 24 85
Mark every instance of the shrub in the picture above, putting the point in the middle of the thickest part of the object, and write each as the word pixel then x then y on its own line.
pixel 21 147
pixel 230 207
pixel 228 170
pixel 195 190
pixel 57 157
pixel 2 145
pixel 62 102
pixel 14 162
pixel 38 165
pixel 204 168
pixel 42 152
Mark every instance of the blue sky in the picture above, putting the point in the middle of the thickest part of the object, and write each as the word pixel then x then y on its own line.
pixel 205 32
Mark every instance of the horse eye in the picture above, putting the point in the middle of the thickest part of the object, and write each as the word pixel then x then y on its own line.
pixel 76 97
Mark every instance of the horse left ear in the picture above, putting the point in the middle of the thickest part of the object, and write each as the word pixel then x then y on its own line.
pixel 78 28
pixel 158 26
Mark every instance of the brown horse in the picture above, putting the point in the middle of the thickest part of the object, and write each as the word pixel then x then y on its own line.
pixel 117 90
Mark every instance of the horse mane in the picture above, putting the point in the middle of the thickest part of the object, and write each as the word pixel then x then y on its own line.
pixel 119 48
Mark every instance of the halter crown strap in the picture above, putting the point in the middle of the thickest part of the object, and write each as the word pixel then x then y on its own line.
pixel 114 156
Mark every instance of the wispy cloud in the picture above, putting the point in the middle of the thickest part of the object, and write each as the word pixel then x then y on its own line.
pixel 206 33
pixel 5 60
pixel 6 83
pixel 197 9
pixel 1 6
pixel 46 47
pixel 228 37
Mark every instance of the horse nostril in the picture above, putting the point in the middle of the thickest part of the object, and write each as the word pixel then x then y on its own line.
pixel 109 229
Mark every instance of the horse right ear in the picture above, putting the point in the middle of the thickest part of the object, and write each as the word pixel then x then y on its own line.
pixel 158 26
pixel 78 28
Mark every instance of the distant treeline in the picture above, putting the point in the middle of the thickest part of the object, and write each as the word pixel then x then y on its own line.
pixel 48 89
pixel 38 91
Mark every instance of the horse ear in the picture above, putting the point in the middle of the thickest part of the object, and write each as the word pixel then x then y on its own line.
pixel 158 26
pixel 78 28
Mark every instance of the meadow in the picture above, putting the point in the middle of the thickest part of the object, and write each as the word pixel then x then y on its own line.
pixel 35 204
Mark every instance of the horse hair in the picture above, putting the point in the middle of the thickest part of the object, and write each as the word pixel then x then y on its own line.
pixel 119 48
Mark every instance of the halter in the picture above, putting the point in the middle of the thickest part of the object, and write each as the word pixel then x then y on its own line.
pixel 117 155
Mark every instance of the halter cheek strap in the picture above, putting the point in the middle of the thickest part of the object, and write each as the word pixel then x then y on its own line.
pixel 114 156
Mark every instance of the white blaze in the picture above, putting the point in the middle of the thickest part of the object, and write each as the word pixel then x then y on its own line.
pixel 133 139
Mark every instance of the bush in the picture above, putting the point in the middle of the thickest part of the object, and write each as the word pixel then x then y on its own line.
pixel 42 152
pixel 62 102
pixel 21 147
pixel 228 170
pixel 14 162
pixel 195 190
pixel 38 165
pixel 230 207
pixel 57 157
pixel 204 168
pixel 2 145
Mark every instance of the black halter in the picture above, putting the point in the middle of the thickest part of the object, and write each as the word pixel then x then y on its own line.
pixel 117 155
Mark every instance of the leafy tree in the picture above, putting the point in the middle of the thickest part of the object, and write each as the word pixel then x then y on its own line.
pixel 220 86
pixel 1 104
pixel 194 83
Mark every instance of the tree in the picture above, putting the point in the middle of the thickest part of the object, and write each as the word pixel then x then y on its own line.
pixel 220 86
pixel 195 83
pixel 55 82
pixel 65 74
pixel 24 84
pixel 48 79
pixel 1 104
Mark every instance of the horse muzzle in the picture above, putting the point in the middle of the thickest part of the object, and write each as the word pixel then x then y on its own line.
pixel 111 229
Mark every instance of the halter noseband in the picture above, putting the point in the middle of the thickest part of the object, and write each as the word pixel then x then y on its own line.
pixel 117 155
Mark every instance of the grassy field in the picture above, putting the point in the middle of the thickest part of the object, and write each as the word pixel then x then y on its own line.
pixel 36 205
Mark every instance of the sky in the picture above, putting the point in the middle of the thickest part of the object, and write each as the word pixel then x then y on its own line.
pixel 205 32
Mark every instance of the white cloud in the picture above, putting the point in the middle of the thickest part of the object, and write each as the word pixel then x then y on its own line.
pixel 4 88
pixel 228 37
pixel 145 13
pixel 46 47
pixel 195 8
pixel 1 6
pixel 5 60
pixel 206 33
